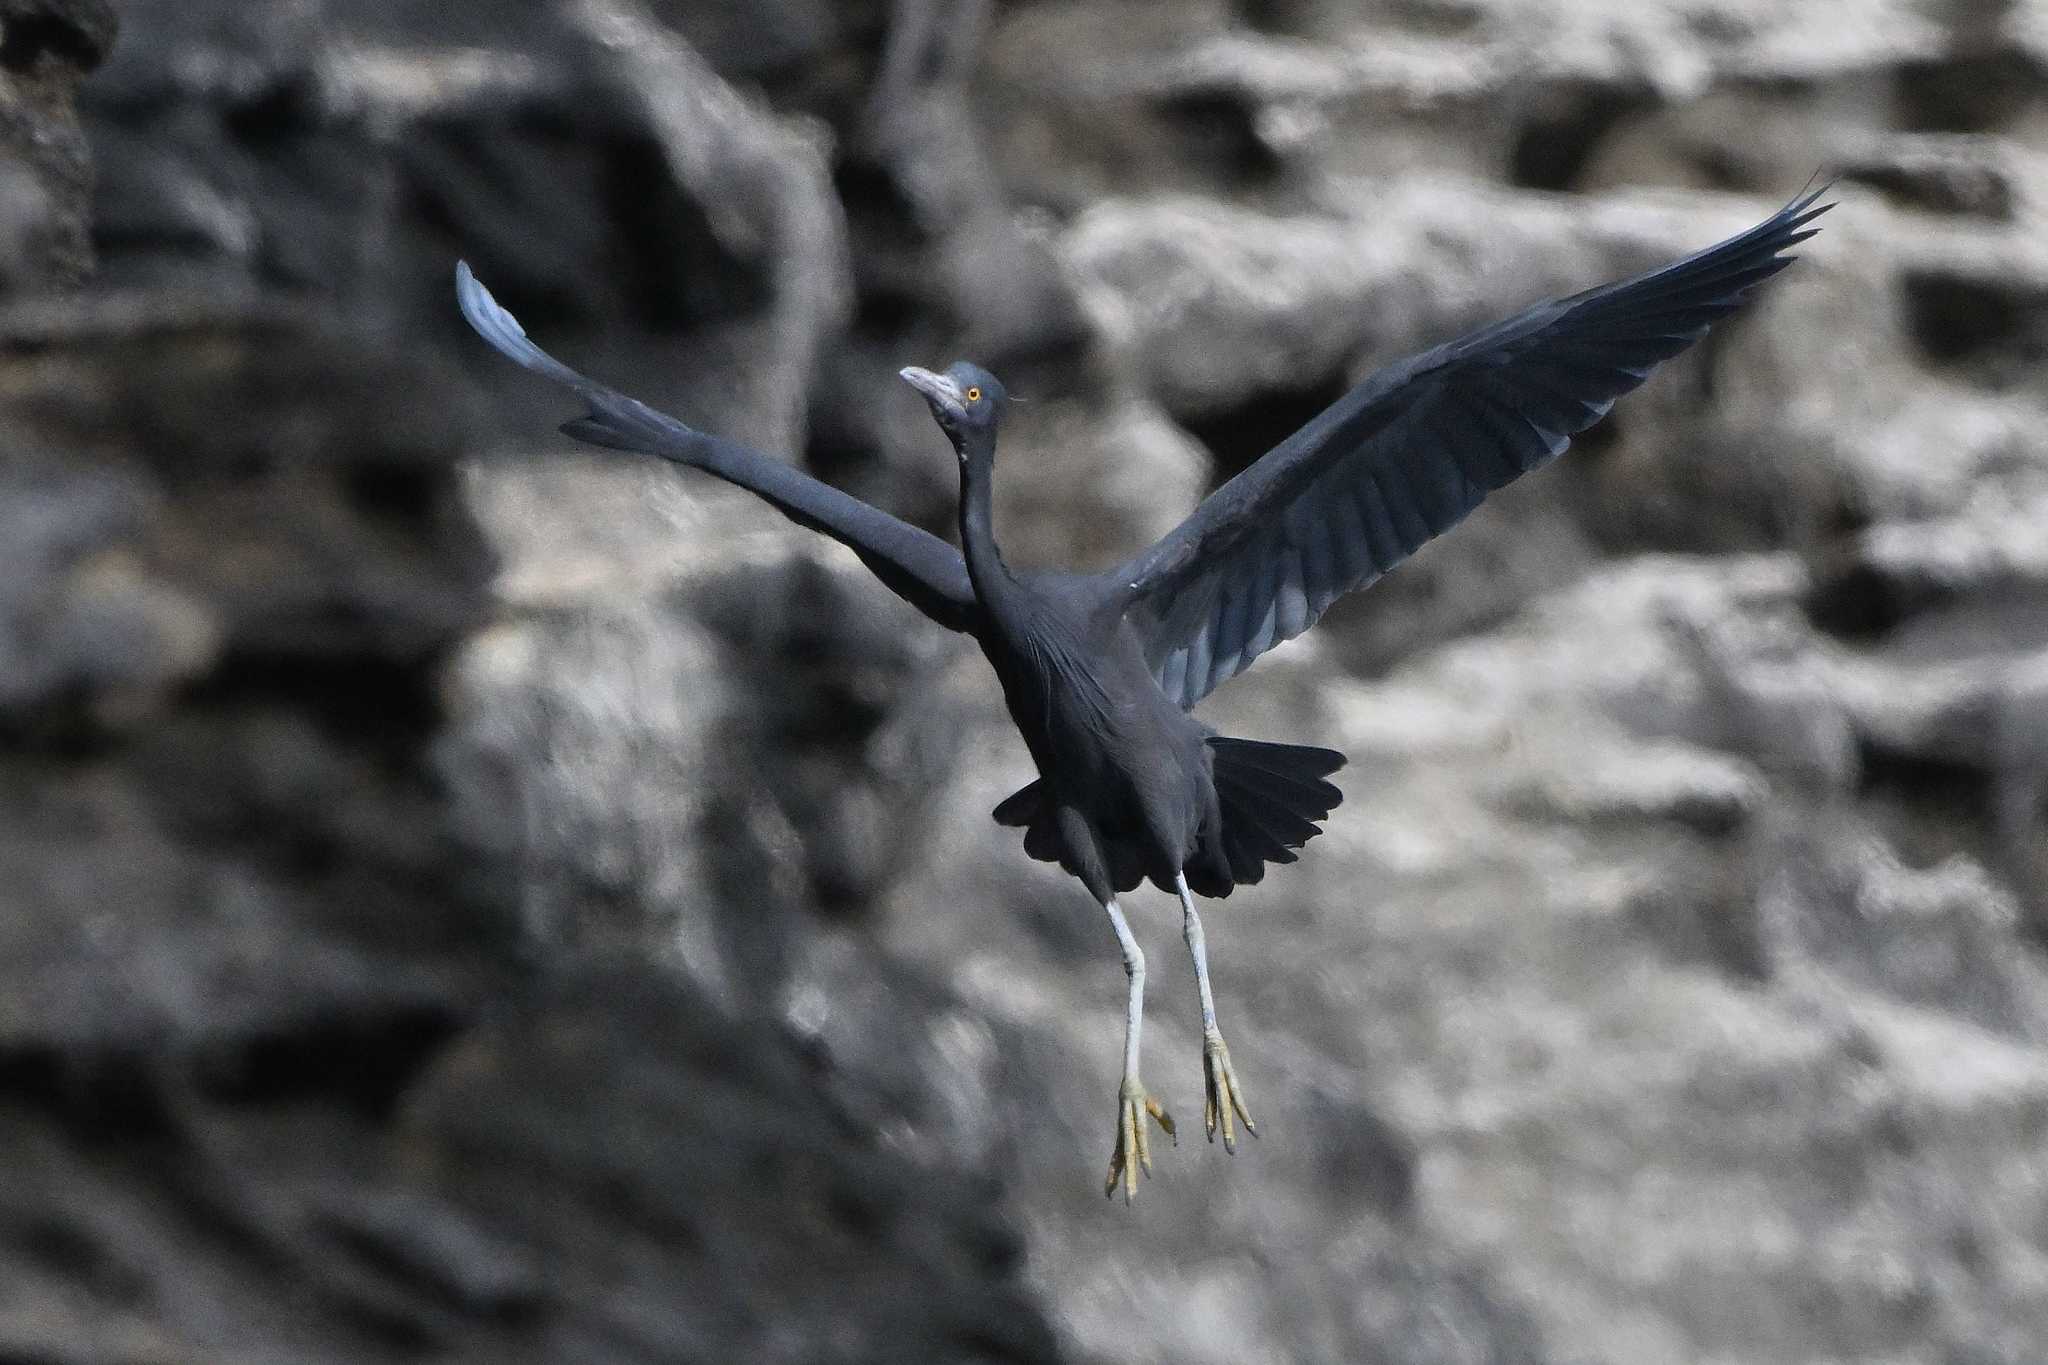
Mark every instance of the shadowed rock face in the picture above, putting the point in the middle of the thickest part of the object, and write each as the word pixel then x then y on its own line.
pixel 349 1008
pixel 46 49
pixel 473 897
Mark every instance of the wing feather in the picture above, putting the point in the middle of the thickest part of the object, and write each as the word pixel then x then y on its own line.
pixel 1412 450
pixel 916 565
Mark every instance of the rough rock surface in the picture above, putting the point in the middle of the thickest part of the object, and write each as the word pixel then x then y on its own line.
pixel 475 898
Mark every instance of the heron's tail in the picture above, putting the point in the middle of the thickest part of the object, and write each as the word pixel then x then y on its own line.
pixel 1273 799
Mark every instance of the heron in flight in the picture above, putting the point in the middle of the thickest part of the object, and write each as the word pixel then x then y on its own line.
pixel 1100 670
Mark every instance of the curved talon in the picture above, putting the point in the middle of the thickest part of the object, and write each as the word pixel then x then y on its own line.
pixel 1223 1095
pixel 1133 1148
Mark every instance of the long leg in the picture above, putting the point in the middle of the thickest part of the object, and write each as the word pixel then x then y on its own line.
pixel 1133 1151
pixel 1134 971
pixel 1222 1095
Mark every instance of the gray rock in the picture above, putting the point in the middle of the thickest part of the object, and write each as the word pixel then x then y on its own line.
pixel 472 897
pixel 261 915
pixel 46 49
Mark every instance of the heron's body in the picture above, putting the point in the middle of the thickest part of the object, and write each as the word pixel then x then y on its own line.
pixel 1110 747
pixel 1127 785
pixel 1100 671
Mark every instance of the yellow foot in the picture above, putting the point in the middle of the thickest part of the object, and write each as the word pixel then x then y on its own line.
pixel 1133 1152
pixel 1224 1095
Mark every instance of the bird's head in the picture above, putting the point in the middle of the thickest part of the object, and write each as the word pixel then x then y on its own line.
pixel 966 401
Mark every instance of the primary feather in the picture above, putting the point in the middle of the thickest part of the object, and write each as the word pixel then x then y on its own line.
pixel 1406 454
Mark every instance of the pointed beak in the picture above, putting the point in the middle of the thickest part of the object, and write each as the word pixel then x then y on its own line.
pixel 942 393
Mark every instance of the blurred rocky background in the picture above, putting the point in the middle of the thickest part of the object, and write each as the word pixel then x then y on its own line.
pixel 469 897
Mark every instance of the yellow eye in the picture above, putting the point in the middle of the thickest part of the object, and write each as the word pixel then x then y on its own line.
pixel 974 395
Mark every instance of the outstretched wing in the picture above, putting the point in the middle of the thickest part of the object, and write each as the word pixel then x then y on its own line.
pixel 919 567
pixel 1408 452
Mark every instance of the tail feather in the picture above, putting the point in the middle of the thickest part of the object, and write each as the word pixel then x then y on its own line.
pixel 1292 773
pixel 1242 867
pixel 1022 807
pixel 1270 831
pixel 1025 809
pixel 1269 809
pixel 1301 763
pixel 1272 799
pixel 1256 782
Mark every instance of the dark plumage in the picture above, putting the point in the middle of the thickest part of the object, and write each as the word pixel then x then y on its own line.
pixel 1099 670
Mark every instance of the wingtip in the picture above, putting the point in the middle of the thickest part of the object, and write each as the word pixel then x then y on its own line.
pixel 1806 205
pixel 475 301
pixel 467 288
pixel 483 311
pixel 1789 225
pixel 504 332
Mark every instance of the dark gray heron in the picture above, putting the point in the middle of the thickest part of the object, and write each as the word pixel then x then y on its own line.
pixel 1100 670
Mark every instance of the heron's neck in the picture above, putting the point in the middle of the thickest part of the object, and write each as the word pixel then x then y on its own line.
pixel 977 525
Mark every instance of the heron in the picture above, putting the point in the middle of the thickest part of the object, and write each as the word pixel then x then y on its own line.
pixel 1100 671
